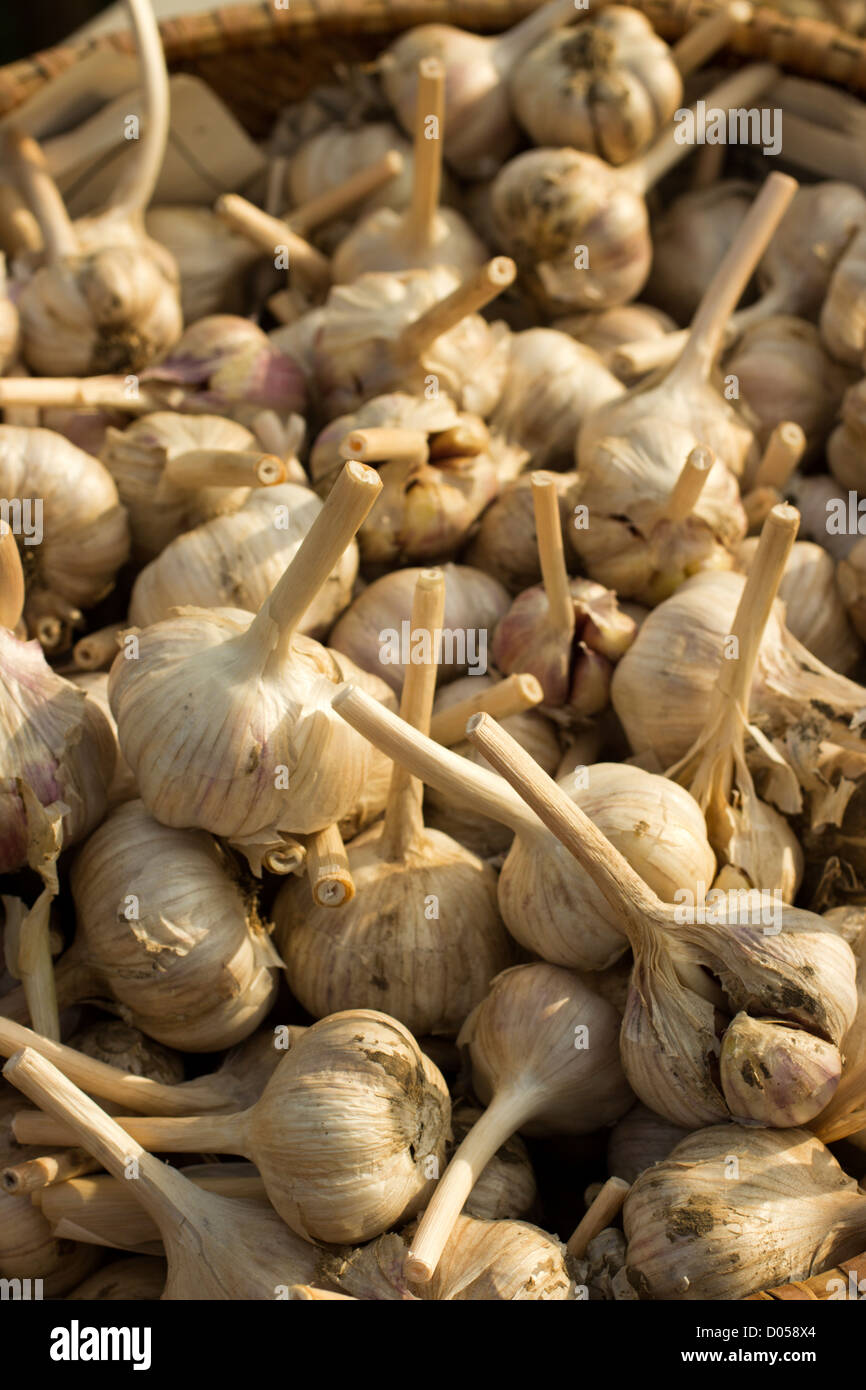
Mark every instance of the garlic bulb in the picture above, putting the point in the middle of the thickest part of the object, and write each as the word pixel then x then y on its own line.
pixel 784 373
pixel 216 1247
pixel 480 131
pixel 843 315
pixel 638 1140
pixel 754 844
pixel 424 234
pixel 675 1011
pixel 845 1115
pixel 95 686
pixel 847 442
pixel 505 545
pixel 552 385
pixel 661 692
pixel 776 1075
pixel 568 632
pixel 346 1133
pixel 607 330
pixel 610 85
pixel 491 1261
pixel 162 465
pixel 28 1249
pixel 700 1224
pixel 506 1189
pixel 226 365
pixel 10 323
pixel 814 608
pixel 182 951
pixel 78 521
pixel 544 1061
pixel 549 904
pixel 817 498
pixel 478 833
pixel 577 227
pixel 370 632
pixel 331 156
pixel 646 521
pixel 690 238
pixel 106 298
pixel 416 331
pixel 262 690
pixel 235 561
pixel 212 260
pixel 433 971
pixel 118 1044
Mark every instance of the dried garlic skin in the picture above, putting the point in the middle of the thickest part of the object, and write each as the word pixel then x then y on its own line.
pixel 638 1140
pixel 735 1210
pixel 57 758
pixel 814 608
pixel 119 1044
pixel 193 969
pixel 348 1128
pixel 773 1074
pixel 211 258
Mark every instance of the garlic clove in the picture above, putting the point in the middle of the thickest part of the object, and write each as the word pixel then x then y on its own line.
pixel 774 1074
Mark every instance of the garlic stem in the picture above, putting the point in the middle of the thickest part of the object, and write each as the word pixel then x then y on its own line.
pixel 707 331
pixel 404 821
pixel 19 230
pixel 336 201
pixel 224 468
pixel 743 87
pixel 511 696
pixel 210 1133
pixel 551 554
pixel 623 889
pixel 23 1178
pixel 36 968
pixel 437 766
pixel 107 1210
pixel 602 1211
pixel 379 445
pixel 138 178
pixel 270 233
pixel 159 1189
pixel 139 1093
pixel 97 650
pixel 517 40
pixel 756 603
pixel 690 484
pixel 43 196
pixel 12 590
pixel 706 37
pixel 482 286
pixel 289 858
pixel 346 506
pixel 327 866
pixel 785 448
pixel 420 218
pixel 507 1112
pixel 73 393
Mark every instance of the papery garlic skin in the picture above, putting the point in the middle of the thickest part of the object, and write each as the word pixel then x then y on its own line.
pixel 193 969
pixel 546 202
pixel 552 907
pixel 424 955
pixel 552 385
pixel 505 544
pixel 118 1044
pixel 57 758
pixel 349 1127
pixel 85 528
pixel 735 1210
pixel 158 509
pixel 523 1036
pixel 235 561
pixel 369 631
pixel 95 686
pixel 394 409
pixel 212 260
pixel 776 1075
pixel 814 609
pixel 380 242
pixel 638 1140
pixel 843 314
pixel 606 330
pixel 271 722
pixel 10 323
pixel 847 443
pixel 332 155
pixel 607 86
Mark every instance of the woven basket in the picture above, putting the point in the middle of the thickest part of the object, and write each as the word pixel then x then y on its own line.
pixel 259 58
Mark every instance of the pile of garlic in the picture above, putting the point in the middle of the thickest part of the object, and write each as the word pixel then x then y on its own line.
pixel 423 701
